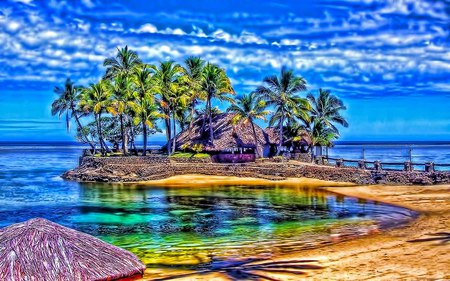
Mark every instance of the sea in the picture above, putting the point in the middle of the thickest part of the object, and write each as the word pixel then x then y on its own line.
pixel 393 152
pixel 186 225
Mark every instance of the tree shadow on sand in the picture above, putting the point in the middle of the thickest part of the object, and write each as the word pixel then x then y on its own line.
pixel 252 268
pixel 441 237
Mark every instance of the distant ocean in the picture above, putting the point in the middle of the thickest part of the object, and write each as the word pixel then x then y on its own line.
pixel 398 151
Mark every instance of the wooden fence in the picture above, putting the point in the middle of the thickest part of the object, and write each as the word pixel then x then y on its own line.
pixel 378 165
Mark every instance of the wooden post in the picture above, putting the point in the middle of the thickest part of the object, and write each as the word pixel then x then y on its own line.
pixel 363 153
pixel 410 154
pixel 340 163
pixel 362 164
pixel 429 167
pixel 377 165
pixel 407 166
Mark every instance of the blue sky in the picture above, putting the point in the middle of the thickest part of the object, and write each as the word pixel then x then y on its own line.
pixel 388 60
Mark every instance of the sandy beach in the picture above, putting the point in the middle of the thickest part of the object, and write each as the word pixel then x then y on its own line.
pixel 381 256
pixel 389 255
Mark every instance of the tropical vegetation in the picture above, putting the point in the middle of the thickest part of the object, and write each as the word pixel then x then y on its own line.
pixel 134 100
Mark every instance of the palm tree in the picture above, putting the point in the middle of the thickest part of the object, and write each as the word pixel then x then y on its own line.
pixel 326 109
pixel 179 105
pixel 143 92
pixel 294 131
pixel 147 115
pixel 248 109
pixel 325 113
pixel 96 99
pixel 123 101
pixel 167 79
pixel 193 80
pixel 122 64
pixel 66 104
pixel 280 92
pixel 216 85
pixel 321 135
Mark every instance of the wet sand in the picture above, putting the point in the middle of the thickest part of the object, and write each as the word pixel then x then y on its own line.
pixel 383 256
pixel 202 180
pixel 389 255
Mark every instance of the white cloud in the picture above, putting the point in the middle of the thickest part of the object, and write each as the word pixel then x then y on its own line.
pixel 170 31
pixel 347 53
pixel 13 26
pixel 88 3
pixel 26 2
pixel 48 34
pixel 147 28
pixel 290 42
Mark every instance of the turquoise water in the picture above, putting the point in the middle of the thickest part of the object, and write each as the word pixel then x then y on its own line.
pixel 182 225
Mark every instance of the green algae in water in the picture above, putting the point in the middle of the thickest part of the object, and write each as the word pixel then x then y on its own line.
pixel 192 225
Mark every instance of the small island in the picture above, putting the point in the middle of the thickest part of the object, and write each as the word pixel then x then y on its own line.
pixel 133 99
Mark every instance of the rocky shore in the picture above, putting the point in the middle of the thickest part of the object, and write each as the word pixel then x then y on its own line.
pixel 156 167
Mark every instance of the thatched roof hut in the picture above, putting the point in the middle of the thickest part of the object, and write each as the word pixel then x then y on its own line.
pixel 227 136
pixel 39 249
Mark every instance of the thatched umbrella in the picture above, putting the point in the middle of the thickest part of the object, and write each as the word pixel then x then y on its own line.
pixel 39 249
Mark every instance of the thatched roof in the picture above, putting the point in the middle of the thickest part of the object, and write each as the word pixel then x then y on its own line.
pixel 273 136
pixel 39 249
pixel 226 134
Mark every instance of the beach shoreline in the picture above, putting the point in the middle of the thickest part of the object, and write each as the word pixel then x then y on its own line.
pixel 384 256
pixel 389 255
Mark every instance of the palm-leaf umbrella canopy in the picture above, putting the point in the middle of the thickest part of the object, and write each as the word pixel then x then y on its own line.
pixel 39 249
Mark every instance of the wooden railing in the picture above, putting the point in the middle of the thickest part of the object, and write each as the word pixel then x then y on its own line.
pixel 379 166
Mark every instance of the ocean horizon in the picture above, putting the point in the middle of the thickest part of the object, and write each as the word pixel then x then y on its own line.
pixel 157 142
pixel 419 152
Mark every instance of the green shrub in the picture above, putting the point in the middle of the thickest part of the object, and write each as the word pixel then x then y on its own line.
pixel 182 155
pixel 197 148
pixel 184 146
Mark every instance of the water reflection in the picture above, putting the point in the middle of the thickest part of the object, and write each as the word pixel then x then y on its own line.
pixel 182 225
pixel 191 225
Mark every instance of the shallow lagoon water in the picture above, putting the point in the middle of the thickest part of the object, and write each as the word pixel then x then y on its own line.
pixel 183 225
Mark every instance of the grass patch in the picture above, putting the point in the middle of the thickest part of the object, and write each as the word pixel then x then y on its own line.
pixel 189 155
pixel 109 154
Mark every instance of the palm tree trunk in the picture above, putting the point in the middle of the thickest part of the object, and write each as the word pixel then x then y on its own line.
pixel 102 141
pixel 132 143
pixel 122 131
pixel 205 115
pixel 211 131
pixel 144 132
pixel 191 122
pixel 168 133
pixel 67 121
pixel 99 132
pixel 256 139
pixel 281 132
pixel 80 128
pixel 174 132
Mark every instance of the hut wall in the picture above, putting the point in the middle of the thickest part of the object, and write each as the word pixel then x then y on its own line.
pixel 234 158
